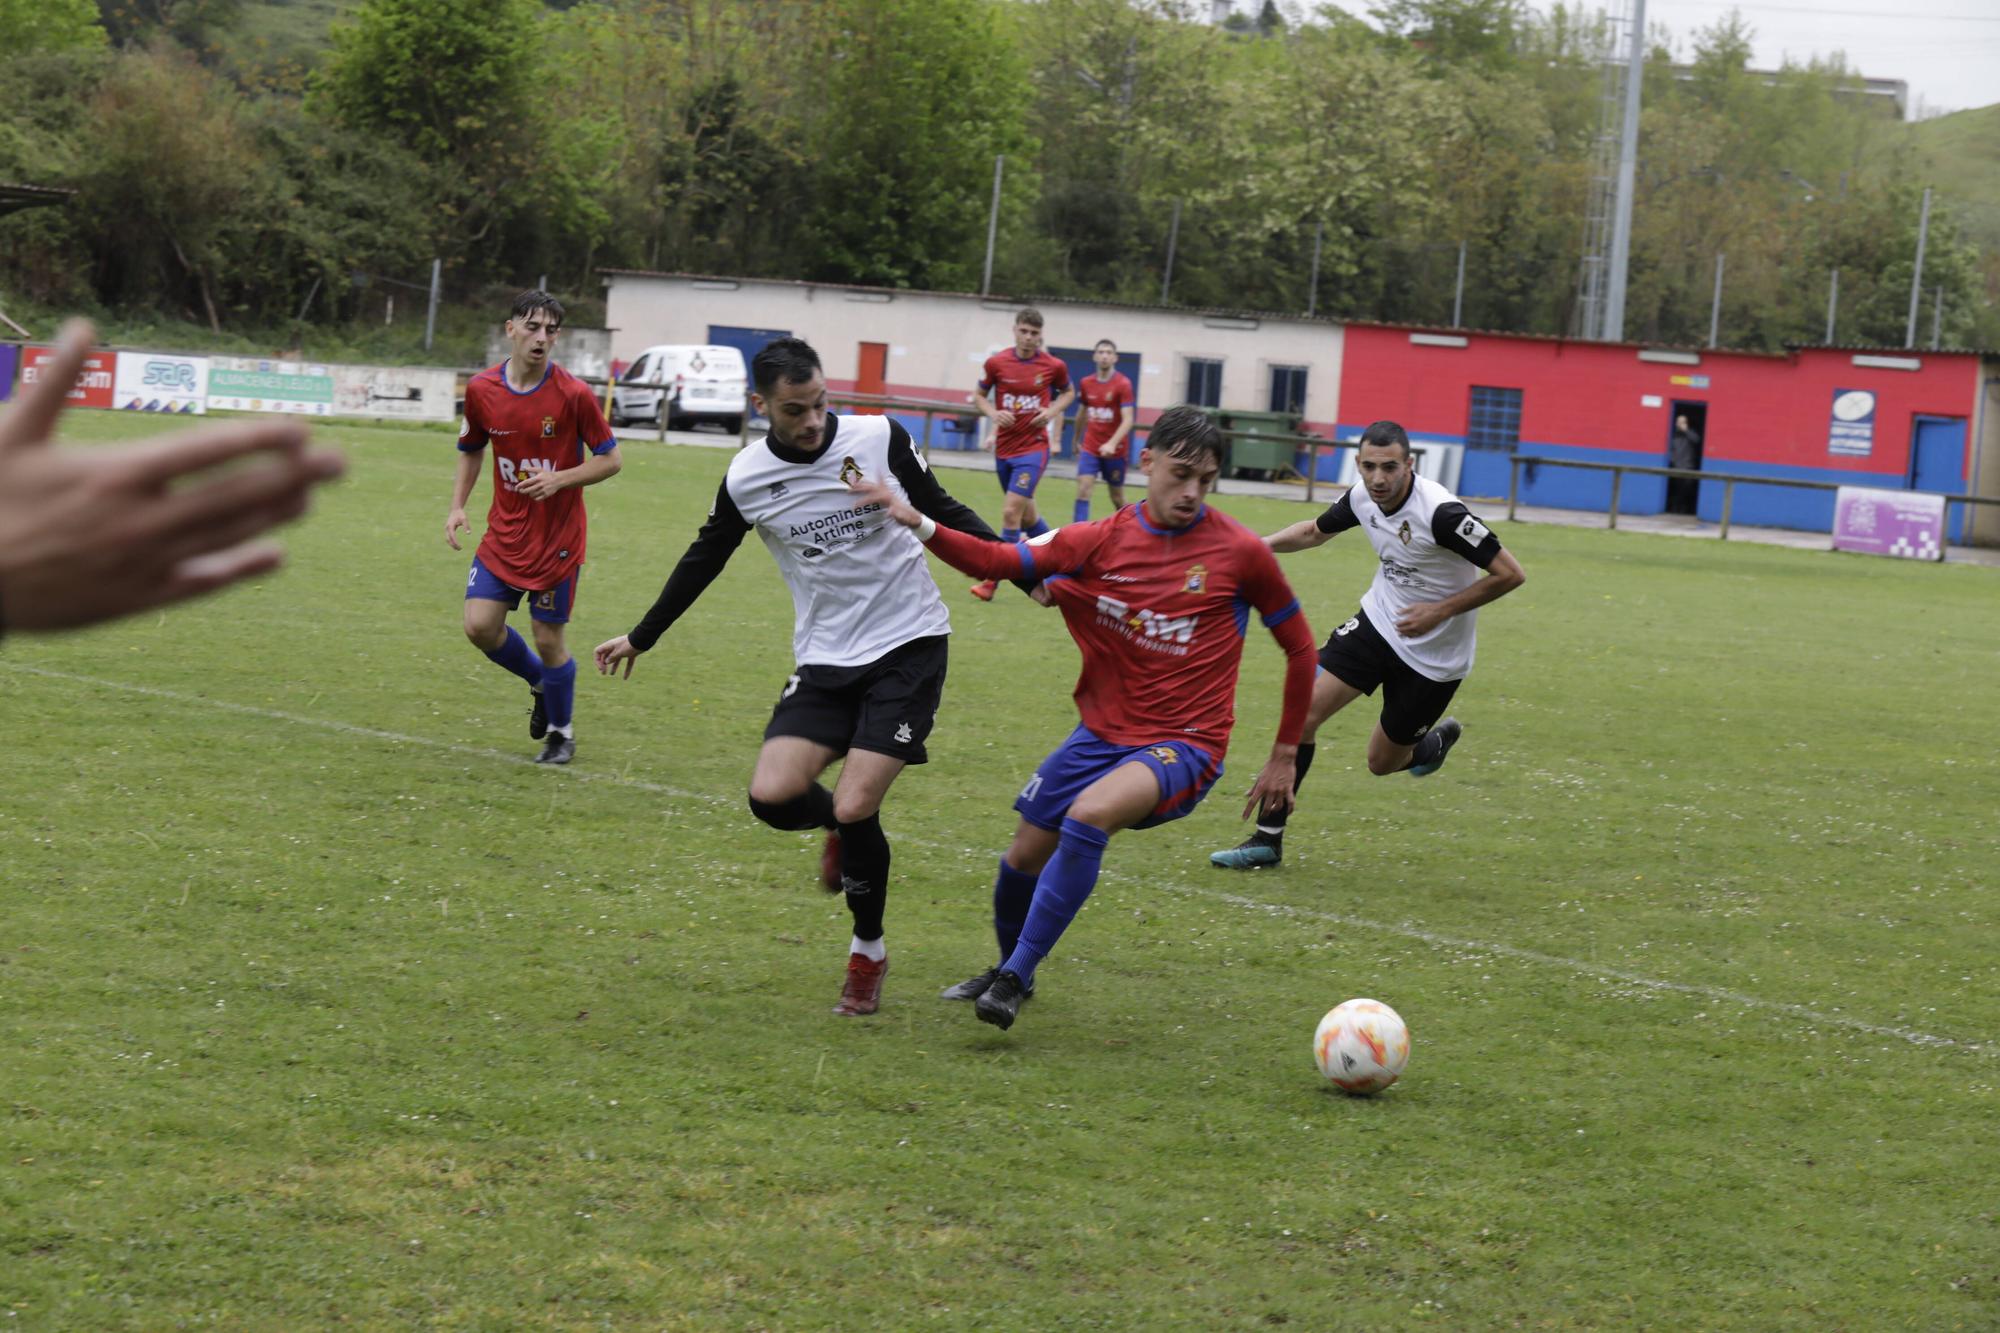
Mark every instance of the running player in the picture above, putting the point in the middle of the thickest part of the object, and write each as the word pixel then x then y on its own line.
pixel 1158 598
pixel 1414 634
pixel 549 441
pixel 869 637
pixel 1021 391
pixel 1105 427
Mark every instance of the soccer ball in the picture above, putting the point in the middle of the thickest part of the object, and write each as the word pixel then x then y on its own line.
pixel 1362 1046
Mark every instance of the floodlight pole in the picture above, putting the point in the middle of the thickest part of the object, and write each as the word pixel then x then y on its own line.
pixel 1937 317
pixel 1173 238
pixel 992 226
pixel 1832 304
pixel 1715 306
pixel 1917 278
pixel 1312 285
pixel 431 319
pixel 1613 329
pixel 1458 296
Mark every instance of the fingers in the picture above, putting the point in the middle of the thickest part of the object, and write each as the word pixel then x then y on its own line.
pixel 275 488
pixel 161 461
pixel 33 419
pixel 218 569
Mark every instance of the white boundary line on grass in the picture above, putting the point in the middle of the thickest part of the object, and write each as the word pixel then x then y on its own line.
pixel 1798 1011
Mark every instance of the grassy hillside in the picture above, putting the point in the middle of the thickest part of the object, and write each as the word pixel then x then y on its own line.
pixel 1964 152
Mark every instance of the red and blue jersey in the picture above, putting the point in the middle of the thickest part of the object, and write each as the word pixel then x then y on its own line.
pixel 533 544
pixel 1104 402
pixel 1023 386
pixel 1160 615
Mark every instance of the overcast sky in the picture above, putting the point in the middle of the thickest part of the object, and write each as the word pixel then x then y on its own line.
pixel 1948 51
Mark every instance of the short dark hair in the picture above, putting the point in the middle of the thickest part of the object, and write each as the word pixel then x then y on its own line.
pixel 1185 432
pixel 1104 342
pixel 1385 433
pixel 1029 316
pixel 528 302
pixel 791 360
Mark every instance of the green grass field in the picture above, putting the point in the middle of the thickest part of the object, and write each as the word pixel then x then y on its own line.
pixel 320 1004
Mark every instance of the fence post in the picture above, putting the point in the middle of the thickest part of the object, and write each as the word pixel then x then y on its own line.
pixel 1728 498
pixel 1513 482
pixel 1312 468
pixel 1617 476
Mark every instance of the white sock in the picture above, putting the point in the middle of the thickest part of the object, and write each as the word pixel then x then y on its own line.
pixel 568 732
pixel 1277 832
pixel 872 950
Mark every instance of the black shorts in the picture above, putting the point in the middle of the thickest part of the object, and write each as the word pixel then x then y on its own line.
pixel 887 705
pixel 1411 701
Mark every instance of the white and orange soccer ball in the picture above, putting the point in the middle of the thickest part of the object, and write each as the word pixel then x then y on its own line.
pixel 1362 1046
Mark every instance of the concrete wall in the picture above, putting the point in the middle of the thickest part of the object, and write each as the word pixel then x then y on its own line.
pixel 937 341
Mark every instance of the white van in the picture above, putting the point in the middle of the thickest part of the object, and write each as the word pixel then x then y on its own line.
pixel 686 382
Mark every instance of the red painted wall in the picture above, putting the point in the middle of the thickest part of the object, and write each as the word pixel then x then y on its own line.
pixel 1763 409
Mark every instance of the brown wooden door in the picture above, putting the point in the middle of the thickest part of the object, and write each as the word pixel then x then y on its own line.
pixel 874 374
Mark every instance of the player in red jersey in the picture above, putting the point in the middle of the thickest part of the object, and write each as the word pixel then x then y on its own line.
pixel 1158 597
pixel 549 440
pixel 1104 426
pixel 1021 392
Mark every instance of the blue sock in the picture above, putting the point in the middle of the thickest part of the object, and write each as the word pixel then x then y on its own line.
pixel 559 695
pixel 1065 883
pixel 1082 514
pixel 1013 890
pixel 1036 529
pixel 1010 535
pixel 519 658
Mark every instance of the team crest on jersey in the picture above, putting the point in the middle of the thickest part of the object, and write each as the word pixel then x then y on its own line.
pixel 777 490
pixel 850 471
pixel 1403 532
pixel 1197 578
pixel 548 428
pixel 1163 754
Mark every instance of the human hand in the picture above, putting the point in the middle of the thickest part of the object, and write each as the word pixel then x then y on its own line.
pixel 1111 451
pixel 1041 594
pixel 453 522
pixel 1003 419
pixel 892 502
pixel 611 652
pixel 88 535
pixel 539 483
pixel 1421 619
pixel 1273 788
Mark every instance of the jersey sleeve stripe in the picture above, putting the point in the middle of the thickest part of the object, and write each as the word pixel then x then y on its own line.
pixel 606 447
pixel 1282 614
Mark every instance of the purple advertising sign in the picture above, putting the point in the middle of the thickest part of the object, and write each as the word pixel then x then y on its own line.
pixel 10 362
pixel 1906 524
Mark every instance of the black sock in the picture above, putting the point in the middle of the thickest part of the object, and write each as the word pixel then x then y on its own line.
pixel 1275 819
pixel 864 874
pixel 814 809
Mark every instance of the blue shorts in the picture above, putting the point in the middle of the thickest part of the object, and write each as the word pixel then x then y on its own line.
pixel 1090 463
pixel 1185 773
pixel 1020 474
pixel 551 606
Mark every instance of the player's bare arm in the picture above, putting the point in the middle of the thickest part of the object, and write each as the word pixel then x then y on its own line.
pixel 1502 577
pixel 999 416
pixel 1115 446
pixel 462 483
pixel 541 483
pixel 1303 535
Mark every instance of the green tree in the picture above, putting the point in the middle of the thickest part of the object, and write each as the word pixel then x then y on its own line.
pixel 28 26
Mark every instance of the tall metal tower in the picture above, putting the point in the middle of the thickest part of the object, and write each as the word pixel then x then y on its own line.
pixel 1607 219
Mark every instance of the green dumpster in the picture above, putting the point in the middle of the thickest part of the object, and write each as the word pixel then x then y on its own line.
pixel 1264 445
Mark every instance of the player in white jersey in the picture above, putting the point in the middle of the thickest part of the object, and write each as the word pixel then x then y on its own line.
pixel 1414 633
pixel 869 635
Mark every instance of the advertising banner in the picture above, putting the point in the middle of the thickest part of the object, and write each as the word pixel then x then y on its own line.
pixel 405 393
pixel 1852 432
pixel 157 382
pixel 10 361
pixel 246 384
pixel 93 383
pixel 1905 524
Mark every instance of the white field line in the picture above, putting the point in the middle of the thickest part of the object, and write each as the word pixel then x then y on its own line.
pixel 1818 1017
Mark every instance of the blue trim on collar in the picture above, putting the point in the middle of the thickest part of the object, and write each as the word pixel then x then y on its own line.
pixel 1168 532
pixel 500 373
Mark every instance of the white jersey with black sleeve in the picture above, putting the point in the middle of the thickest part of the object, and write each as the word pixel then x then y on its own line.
pixel 860 583
pixel 1431 546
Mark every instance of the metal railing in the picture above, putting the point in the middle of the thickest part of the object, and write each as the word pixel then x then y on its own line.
pixel 1730 481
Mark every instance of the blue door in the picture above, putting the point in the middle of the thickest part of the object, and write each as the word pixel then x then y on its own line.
pixel 1937 463
pixel 747 341
pixel 1080 364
